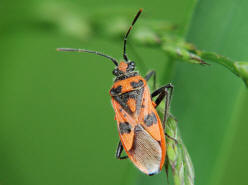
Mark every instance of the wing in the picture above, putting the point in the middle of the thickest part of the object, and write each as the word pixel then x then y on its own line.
pixel 149 118
pixel 125 124
pixel 127 108
pixel 140 130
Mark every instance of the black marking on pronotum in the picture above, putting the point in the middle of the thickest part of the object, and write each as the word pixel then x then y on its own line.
pixel 116 91
pixel 125 76
pixel 140 83
pixel 150 119
pixel 125 127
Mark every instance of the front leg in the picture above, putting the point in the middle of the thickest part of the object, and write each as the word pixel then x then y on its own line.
pixel 148 77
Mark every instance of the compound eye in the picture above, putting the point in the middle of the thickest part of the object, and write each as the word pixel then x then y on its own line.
pixel 131 66
pixel 132 63
pixel 115 72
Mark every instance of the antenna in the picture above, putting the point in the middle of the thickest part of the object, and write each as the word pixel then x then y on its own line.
pixel 125 38
pixel 88 51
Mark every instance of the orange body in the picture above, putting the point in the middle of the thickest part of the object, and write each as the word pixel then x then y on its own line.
pixel 139 125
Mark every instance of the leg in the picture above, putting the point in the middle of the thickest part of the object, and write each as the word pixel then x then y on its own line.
pixel 149 75
pixel 163 92
pixel 119 151
pixel 166 167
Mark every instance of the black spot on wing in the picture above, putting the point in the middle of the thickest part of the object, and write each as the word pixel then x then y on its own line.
pixel 150 119
pixel 116 91
pixel 135 85
pixel 125 127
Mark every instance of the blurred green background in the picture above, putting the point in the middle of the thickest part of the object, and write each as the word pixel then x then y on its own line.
pixel 57 123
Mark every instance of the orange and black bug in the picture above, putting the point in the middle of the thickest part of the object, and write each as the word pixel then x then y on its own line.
pixel 140 128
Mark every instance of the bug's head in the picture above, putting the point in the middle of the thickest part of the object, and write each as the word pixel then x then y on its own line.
pixel 124 68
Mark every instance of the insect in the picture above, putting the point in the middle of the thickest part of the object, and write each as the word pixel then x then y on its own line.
pixel 141 131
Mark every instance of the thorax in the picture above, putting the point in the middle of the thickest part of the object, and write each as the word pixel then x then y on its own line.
pixel 127 85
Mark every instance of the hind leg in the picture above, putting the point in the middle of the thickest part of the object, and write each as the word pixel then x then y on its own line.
pixel 119 151
pixel 164 92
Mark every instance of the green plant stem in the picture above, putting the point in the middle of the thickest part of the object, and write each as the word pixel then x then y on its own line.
pixel 219 59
